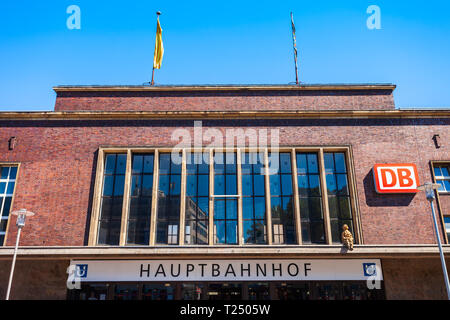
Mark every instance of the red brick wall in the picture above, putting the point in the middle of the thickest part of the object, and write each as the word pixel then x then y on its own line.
pixel 59 158
pixel 414 279
pixel 225 100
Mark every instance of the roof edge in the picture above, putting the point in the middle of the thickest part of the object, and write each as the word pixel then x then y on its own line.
pixel 301 87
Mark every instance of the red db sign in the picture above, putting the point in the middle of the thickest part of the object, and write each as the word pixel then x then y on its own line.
pixel 396 178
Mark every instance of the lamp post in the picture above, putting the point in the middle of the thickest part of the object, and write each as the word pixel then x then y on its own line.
pixel 21 216
pixel 429 188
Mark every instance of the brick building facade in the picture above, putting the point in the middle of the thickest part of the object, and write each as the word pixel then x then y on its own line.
pixel 61 174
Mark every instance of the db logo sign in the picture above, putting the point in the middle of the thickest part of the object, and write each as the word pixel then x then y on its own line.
pixel 396 178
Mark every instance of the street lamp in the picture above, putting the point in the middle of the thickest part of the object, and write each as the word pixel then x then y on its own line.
pixel 20 223
pixel 429 188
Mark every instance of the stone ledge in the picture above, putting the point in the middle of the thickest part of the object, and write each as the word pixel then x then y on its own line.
pixel 191 252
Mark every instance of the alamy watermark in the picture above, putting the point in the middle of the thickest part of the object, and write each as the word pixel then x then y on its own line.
pixel 74 20
pixel 374 20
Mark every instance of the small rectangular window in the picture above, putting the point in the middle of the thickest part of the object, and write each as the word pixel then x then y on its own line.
pixel 442 175
pixel 112 199
pixel 253 198
pixel 138 230
pixel 338 194
pixel 309 190
pixel 447 226
pixel 169 190
pixel 7 184
pixel 225 208
pixel 281 200
pixel 197 198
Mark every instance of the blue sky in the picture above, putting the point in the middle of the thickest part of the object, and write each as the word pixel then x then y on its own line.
pixel 223 42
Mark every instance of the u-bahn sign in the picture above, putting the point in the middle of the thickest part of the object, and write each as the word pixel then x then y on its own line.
pixel 226 270
pixel 396 178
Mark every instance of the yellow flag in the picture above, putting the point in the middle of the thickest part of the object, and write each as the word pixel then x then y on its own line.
pixel 159 48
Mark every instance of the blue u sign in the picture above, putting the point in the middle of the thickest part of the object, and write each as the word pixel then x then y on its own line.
pixel 81 270
pixel 370 269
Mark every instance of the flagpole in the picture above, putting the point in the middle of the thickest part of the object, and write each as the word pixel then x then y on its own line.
pixel 158 13
pixel 294 41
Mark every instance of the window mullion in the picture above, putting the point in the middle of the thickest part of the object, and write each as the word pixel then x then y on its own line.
pixel 155 199
pixel 181 239
pixel 93 232
pixel 211 199
pixel 323 185
pixel 239 200
pixel 268 202
pixel 126 201
pixel 296 196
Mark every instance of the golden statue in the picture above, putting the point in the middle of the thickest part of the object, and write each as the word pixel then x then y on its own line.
pixel 347 237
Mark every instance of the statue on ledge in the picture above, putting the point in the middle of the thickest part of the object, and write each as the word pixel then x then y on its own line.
pixel 347 237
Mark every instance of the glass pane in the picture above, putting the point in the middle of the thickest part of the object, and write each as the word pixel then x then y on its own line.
pixel 314 185
pixel 317 232
pixel 149 163
pixel 288 208
pixel 203 185
pixel 231 209
pixel 339 159
pixel 6 207
pixel 175 163
pixel 3 225
pixel 249 231
pixel 13 173
pixel 447 185
pixel 219 228
pixel 333 207
pixel 247 185
pixel 230 162
pixel 260 208
pixel 147 185
pixel 231 188
pixel 342 188
pixel 203 166
pixel 303 186
pixel 191 185
pixel 219 209
pixel 109 166
pixel 275 188
pixel 203 208
pixel 2 187
pixel 335 231
pixel 175 185
pixel 437 171
pixel 231 232
pixel 164 163
pixel 329 162
pixel 116 210
pixel 219 185
pixel 137 164
pixel 161 232
pixel 344 205
pixel 444 171
pixel 331 183
pixel 164 183
pixel 107 204
pixel 108 185
pixel 121 164
pixel 304 208
pixel 219 163
pixel 119 184
pixel 247 208
pixel 277 210
pixel 315 208
pixel 286 184
pixel 285 162
pixel 312 163
pixel 138 232
pixel 306 234
pixel 135 185
pixel 301 163
pixel 259 185
pixel 246 166
pixel 140 208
